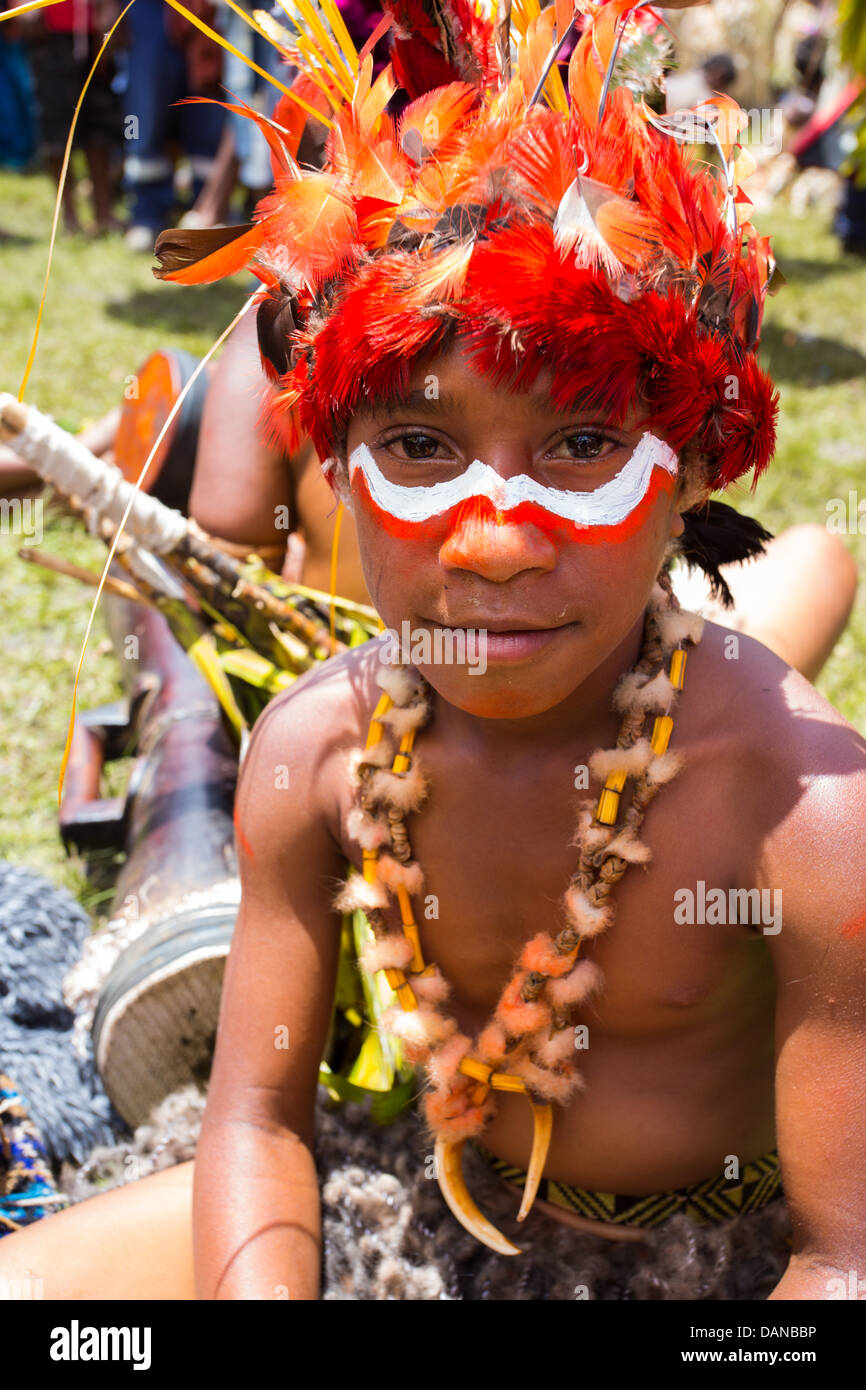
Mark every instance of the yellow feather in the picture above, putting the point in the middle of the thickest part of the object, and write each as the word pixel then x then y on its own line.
pixel 337 69
pixel 25 9
pixel 341 33
pixel 230 48
pixel 317 69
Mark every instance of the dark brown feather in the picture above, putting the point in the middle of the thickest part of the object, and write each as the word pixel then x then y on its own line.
pixel 177 248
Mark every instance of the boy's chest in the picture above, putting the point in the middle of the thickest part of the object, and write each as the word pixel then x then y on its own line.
pixel 497 856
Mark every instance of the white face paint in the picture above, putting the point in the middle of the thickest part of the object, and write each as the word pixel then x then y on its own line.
pixel 609 505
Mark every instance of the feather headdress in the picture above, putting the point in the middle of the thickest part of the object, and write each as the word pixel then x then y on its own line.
pixel 554 222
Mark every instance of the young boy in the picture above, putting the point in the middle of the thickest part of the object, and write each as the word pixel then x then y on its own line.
pixel 636 999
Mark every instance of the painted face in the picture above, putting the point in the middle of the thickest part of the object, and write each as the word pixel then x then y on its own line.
pixel 612 510
pixel 480 509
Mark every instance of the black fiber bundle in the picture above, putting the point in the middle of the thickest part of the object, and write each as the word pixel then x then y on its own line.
pixel 717 535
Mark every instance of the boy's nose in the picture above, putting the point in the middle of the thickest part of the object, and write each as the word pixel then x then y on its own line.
pixel 492 545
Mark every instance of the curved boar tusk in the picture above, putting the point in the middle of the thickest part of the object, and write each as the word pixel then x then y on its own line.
pixel 542 1128
pixel 452 1184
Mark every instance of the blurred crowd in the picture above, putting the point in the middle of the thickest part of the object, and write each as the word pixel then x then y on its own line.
pixel 153 160
pixel 167 158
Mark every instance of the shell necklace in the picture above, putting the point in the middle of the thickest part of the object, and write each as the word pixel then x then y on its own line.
pixel 528 1045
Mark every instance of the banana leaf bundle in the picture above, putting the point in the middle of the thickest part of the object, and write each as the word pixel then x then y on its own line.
pixel 251 634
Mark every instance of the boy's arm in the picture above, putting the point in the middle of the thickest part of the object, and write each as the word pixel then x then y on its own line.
pixel 242 506
pixel 256 1201
pixel 819 954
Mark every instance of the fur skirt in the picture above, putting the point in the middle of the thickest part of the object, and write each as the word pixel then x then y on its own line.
pixel 389 1235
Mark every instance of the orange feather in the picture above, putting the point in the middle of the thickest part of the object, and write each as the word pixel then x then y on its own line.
pixel 432 118
pixel 369 101
pixel 310 227
pixel 201 256
pixel 534 48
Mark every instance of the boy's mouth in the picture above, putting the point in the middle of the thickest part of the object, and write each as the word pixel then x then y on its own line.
pixel 506 641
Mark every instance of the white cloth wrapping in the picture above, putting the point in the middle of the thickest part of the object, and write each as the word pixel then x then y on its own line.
pixel 62 460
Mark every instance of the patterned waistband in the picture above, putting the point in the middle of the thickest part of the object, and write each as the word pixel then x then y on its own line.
pixel 706 1203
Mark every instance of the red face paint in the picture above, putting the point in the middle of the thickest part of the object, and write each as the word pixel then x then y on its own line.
pixel 481 511
pixel 241 837
pixel 855 927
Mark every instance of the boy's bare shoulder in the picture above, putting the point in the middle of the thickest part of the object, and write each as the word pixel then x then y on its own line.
pixel 303 737
pixel 743 689
pixel 802 766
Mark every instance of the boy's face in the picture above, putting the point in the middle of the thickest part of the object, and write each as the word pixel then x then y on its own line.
pixel 545 532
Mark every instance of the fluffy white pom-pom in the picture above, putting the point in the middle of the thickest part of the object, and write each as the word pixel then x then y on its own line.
pixel 662 769
pixel 632 692
pixel 403 790
pixel 584 980
pixel 632 761
pixel 396 875
pixel 677 626
pixel 422 1027
pixel 391 952
pixel 627 846
pixel 586 916
pixel 369 833
pixel 397 682
pixel 402 721
pixel 358 893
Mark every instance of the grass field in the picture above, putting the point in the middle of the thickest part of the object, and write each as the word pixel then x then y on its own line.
pixel 105 313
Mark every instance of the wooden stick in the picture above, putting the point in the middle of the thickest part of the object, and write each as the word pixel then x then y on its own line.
pixel 58 566
pixel 256 595
pixel 195 545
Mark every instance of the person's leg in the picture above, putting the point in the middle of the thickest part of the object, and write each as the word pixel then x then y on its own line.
pixel 133 1243
pixel 200 128
pixel 17 116
pixel 211 207
pixel 98 157
pixel 54 70
pixel 101 133
pixel 155 81
pixel 796 598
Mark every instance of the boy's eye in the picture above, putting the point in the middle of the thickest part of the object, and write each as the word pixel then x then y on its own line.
pixel 583 444
pixel 415 446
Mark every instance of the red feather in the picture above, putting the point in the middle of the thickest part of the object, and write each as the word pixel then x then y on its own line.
pixel 309 227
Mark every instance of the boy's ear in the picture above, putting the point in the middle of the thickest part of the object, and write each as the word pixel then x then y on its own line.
pixel 335 471
pixel 693 483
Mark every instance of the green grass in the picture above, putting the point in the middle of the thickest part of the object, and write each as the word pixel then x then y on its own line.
pixel 814 346
pixel 105 313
